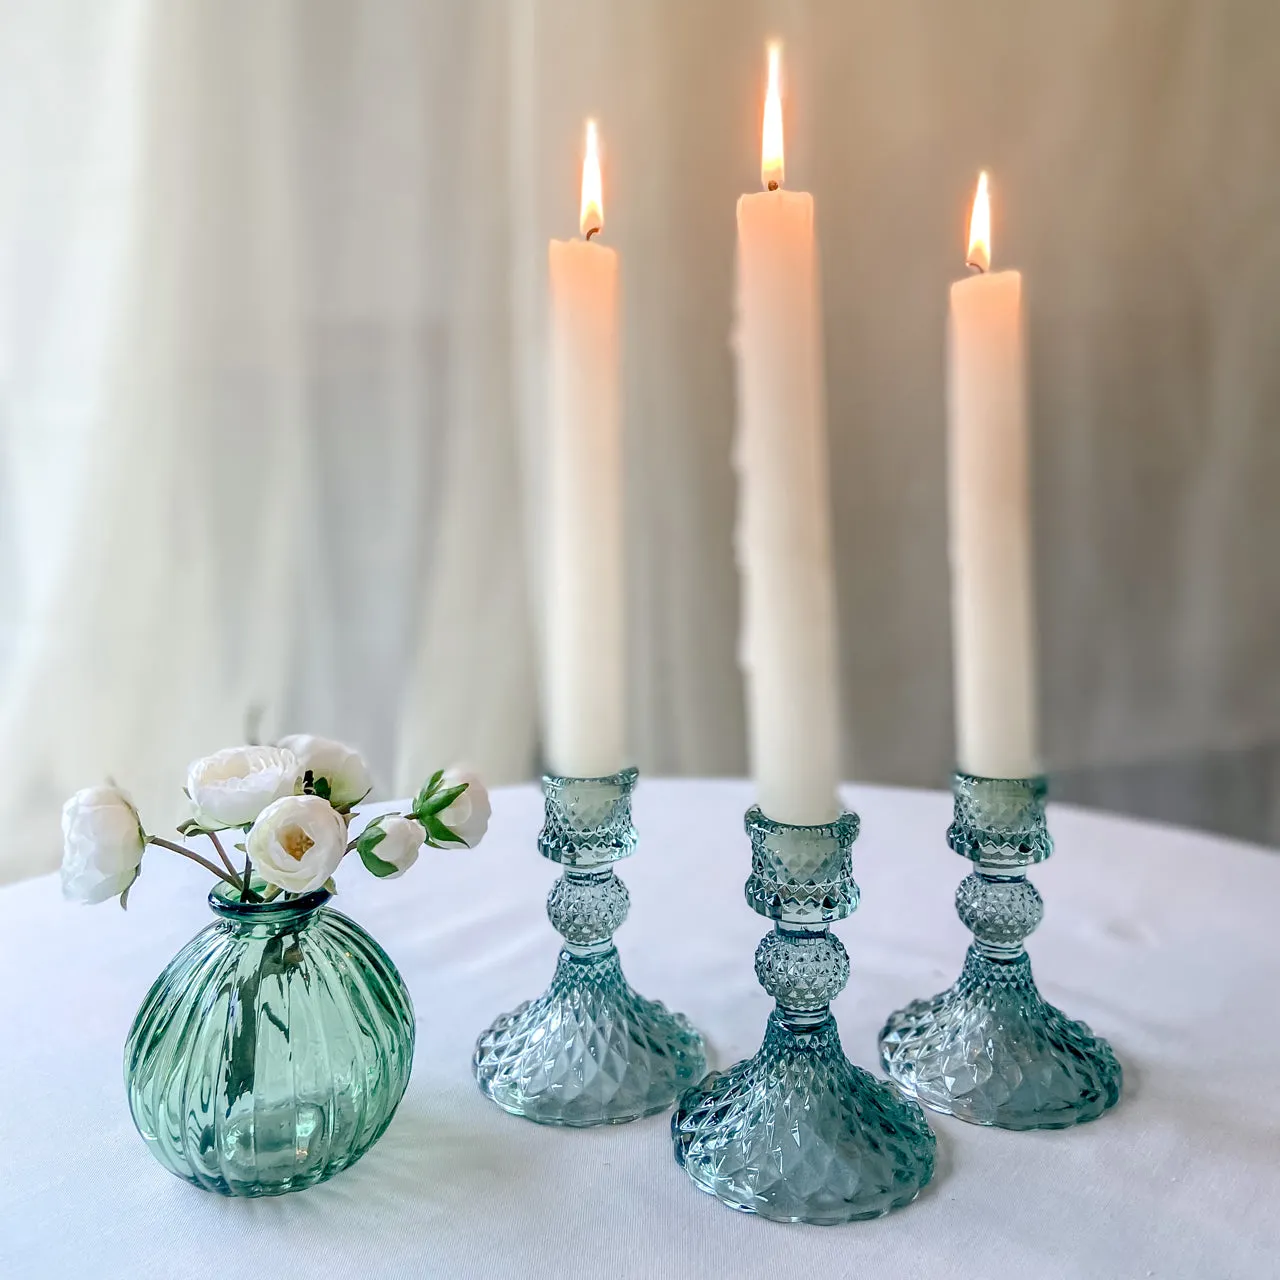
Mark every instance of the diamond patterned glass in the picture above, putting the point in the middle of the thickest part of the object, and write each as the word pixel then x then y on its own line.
pixel 589 1050
pixel 990 1049
pixel 798 1133
pixel 273 1051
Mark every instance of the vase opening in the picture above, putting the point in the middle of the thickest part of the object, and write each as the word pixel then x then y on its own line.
pixel 278 914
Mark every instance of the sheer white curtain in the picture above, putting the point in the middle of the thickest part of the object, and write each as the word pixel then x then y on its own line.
pixel 259 420
pixel 271 291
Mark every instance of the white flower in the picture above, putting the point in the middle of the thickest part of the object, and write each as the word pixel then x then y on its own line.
pixel 468 816
pixel 402 838
pixel 297 843
pixel 232 787
pixel 102 844
pixel 343 768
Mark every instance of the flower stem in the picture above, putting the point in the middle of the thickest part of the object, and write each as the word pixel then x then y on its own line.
pixel 244 883
pixel 222 853
pixel 195 857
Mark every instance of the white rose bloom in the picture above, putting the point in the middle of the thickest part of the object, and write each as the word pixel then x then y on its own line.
pixel 232 787
pixel 400 844
pixel 468 815
pixel 345 770
pixel 102 844
pixel 297 843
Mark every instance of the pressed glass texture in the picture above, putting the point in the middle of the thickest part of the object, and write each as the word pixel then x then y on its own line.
pixel 589 1050
pixel 991 1049
pixel 798 1133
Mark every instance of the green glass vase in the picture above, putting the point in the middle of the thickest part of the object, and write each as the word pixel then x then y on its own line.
pixel 273 1050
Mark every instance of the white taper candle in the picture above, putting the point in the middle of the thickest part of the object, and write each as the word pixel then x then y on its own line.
pixel 784 532
pixel 584 589
pixel 993 606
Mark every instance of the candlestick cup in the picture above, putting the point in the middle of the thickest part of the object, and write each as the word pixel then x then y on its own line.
pixel 798 1133
pixel 589 1050
pixel 991 1049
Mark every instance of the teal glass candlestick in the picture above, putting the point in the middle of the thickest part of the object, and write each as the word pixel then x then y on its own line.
pixel 589 1050
pixel 798 1133
pixel 991 1049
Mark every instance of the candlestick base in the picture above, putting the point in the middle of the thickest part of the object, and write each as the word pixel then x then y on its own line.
pixel 798 1133
pixel 589 1050
pixel 991 1050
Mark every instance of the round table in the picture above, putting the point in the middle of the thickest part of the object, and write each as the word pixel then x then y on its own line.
pixel 1164 940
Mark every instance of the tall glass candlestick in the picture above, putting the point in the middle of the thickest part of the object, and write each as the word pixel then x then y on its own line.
pixel 991 1049
pixel 589 1050
pixel 798 1133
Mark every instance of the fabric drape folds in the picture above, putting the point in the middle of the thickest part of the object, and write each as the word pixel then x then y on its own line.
pixel 272 281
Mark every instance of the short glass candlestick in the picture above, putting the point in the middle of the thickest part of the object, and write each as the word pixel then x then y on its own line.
pixel 798 1133
pixel 991 1049
pixel 589 1050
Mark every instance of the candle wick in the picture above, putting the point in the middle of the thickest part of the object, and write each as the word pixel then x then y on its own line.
pixel 773 184
pixel 976 268
pixel 591 232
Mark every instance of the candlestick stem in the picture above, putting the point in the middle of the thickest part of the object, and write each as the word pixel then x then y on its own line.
pixel 589 1050
pixel 991 1049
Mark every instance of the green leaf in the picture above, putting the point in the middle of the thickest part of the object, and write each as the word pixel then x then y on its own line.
pixel 322 788
pixel 329 884
pixel 428 790
pixel 375 864
pixel 345 809
pixel 442 799
pixel 124 893
pixel 367 841
pixel 437 833
pixel 194 827
pixel 370 838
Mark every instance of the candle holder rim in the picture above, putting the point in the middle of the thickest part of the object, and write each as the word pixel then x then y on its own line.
pixel 621 778
pixel 1038 783
pixel 844 826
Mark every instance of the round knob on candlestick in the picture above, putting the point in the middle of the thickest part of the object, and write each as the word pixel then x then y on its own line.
pixel 999 913
pixel 802 972
pixel 586 908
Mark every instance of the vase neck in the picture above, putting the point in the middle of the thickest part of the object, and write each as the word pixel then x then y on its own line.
pixel 265 919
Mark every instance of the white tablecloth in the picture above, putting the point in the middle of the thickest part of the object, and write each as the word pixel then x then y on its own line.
pixel 1164 940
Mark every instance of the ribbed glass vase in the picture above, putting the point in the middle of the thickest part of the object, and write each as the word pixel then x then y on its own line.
pixel 273 1050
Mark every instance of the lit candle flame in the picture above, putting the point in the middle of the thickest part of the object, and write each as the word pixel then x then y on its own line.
pixel 979 255
pixel 771 168
pixel 592 216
